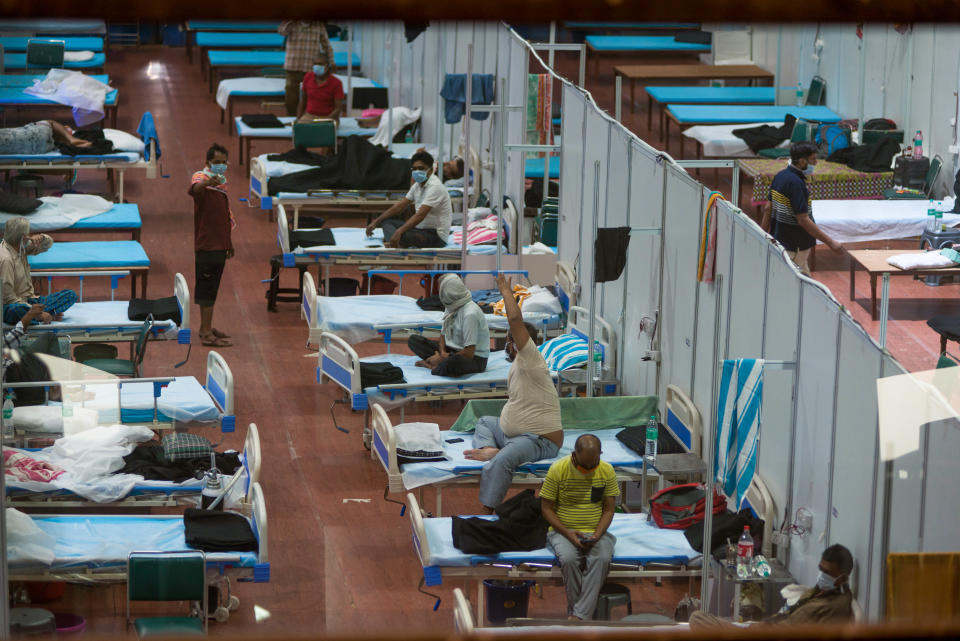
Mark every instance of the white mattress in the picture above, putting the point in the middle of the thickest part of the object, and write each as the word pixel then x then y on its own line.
pixel 183 400
pixel 718 140
pixel 851 221
pixel 259 84
pixel 107 315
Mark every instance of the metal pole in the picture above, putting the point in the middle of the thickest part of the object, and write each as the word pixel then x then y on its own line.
pixel 4 587
pixel 553 40
pixel 884 309
pixel 593 280
pixel 501 172
pixel 863 82
pixel 349 65
pixel 582 78
pixel 618 92
pixel 466 158
pixel 389 75
pixel 440 119
pixel 709 445
pixel 776 75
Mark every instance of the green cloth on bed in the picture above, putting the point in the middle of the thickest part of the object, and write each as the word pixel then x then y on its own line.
pixel 602 412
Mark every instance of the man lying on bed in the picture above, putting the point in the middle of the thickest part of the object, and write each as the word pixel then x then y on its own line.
pixel 429 226
pixel 528 428
pixel 464 344
pixel 18 294
pixel 38 137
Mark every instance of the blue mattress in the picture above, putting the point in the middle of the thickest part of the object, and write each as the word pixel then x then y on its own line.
pixel 631 25
pixel 89 254
pixel 348 127
pixel 533 167
pixel 71 43
pixel 54 25
pixel 239 39
pixel 712 95
pixel 642 43
pixel 55 157
pixel 265 58
pixel 126 216
pixel 232 25
pixel 638 541
pixel 721 114
pixel 19 61
pixel 14 95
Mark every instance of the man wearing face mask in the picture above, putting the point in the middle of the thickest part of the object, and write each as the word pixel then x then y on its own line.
pixel 830 601
pixel 578 498
pixel 429 226
pixel 788 208
pixel 464 343
pixel 528 428
pixel 322 95
pixel 18 294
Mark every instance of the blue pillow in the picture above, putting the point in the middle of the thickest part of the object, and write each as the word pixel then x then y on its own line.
pixel 565 352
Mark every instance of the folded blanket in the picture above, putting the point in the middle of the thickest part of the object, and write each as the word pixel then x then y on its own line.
pixel 922 260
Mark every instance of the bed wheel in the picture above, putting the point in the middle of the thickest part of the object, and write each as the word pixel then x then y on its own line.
pixel 221 614
pixel 233 603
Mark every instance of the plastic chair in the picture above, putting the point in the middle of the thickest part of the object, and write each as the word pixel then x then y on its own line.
pixel 817 94
pixel 928 181
pixel 122 366
pixel 802 132
pixel 319 133
pixel 45 53
pixel 168 576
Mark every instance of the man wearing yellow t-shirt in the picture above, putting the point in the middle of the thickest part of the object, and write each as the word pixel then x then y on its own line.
pixel 577 499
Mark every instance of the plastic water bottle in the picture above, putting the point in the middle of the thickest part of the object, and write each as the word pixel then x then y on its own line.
pixel 8 417
pixel 931 217
pixel 761 566
pixel 799 94
pixel 745 554
pixel 409 137
pixel 918 145
pixel 653 432
pixel 938 221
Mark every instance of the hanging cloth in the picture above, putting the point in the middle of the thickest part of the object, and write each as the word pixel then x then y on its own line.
pixel 738 426
pixel 610 253
pixel 545 108
pixel 707 261
pixel 454 94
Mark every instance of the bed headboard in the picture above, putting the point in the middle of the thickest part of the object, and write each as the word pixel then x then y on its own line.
pixel 462 615
pixel 283 231
pixel 339 362
pixel 182 291
pixel 578 323
pixel 683 419
pixel 258 507
pixel 760 502
pixel 308 303
pixel 566 282
pixel 219 384
pixel 251 458
pixel 419 534
pixel 384 446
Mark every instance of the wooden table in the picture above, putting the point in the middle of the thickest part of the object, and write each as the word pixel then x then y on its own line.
pixel 633 73
pixel 874 262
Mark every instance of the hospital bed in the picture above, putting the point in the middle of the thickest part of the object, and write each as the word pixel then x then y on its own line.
pixel 122 218
pixel 660 96
pixel 145 493
pixel 12 95
pixel 226 40
pixel 245 134
pixel 96 256
pixel 51 26
pixel 16 61
pixel 263 87
pixel 217 61
pixel 192 26
pixel 18 44
pixel 640 45
pixel 720 141
pixel 689 115
pixel 855 221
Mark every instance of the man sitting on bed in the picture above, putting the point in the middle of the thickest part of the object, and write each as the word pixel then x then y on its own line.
pixel 18 294
pixel 464 344
pixel 429 226
pixel 577 499
pixel 321 93
pixel 528 428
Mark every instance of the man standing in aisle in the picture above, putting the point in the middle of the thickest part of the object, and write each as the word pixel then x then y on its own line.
pixel 306 41
pixel 788 208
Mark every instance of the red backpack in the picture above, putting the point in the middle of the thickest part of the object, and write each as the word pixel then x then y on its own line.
pixel 679 506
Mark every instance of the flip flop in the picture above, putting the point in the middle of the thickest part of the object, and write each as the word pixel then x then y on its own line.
pixel 216 332
pixel 215 341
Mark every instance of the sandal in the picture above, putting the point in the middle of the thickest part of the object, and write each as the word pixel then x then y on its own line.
pixel 216 332
pixel 214 341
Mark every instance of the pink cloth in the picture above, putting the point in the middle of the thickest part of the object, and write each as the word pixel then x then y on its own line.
pixel 23 468
pixel 479 232
pixel 371 113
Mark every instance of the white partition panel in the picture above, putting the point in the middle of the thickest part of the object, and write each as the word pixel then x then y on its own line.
pixel 516 120
pixel 571 172
pixel 616 213
pixel 594 196
pixel 940 521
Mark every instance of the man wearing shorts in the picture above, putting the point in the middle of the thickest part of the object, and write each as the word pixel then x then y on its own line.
pixel 212 223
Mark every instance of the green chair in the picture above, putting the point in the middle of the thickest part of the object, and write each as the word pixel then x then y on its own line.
pixel 928 182
pixel 122 366
pixel 273 72
pixel 168 576
pixel 45 53
pixel 817 93
pixel 319 133
pixel 802 132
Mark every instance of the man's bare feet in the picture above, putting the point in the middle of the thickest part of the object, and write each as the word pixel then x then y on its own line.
pixel 482 454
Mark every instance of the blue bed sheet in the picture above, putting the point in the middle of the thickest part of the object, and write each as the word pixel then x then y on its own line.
pixel 71 43
pixel 638 541
pixel 218 58
pixel 642 43
pixel 16 96
pixel 233 25
pixel 238 39
pixel 720 114
pixel 88 254
pixel 712 95
pixel 124 215
pixel 19 61
pixel 533 167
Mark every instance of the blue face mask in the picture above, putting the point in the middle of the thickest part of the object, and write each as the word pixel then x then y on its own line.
pixel 808 171
pixel 319 70
pixel 218 168
pixel 826 582
pixel 419 175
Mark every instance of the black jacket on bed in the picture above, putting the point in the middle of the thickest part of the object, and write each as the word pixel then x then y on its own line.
pixel 521 527
pixel 876 156
pixel 356 165
pixel 766 136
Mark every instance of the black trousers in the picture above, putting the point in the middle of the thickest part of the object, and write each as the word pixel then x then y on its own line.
pixel 453 365
pixel 419 238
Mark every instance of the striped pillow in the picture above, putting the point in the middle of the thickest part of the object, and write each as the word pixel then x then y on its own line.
pixel 565 352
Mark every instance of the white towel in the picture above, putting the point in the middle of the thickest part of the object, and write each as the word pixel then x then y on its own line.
pixel 921 260
pixel 402 116
pixel 85 94
pixel 738 425
pixel 419 437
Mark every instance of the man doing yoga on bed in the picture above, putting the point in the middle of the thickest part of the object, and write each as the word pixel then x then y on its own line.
pixel 18 294
pixel 429 226
pixel 464 344
pixel 528 428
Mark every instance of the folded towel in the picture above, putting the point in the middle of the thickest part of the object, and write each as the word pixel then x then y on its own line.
pixel 922 260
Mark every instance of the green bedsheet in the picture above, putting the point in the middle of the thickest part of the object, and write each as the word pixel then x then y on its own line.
pixel 597 413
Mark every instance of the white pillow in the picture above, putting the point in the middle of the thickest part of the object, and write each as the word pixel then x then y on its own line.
pixel 415 439
pixel 122 141
pixel 541 300
pixel 38 418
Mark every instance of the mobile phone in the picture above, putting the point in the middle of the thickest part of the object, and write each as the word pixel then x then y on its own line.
pixel 454 440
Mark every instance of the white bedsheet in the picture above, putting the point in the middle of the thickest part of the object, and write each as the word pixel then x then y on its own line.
pixel 850 221
pixel 354 240
pixel 106 314
pixel 270 85
pixel 718 140
pixel 184 400
pixel 61 212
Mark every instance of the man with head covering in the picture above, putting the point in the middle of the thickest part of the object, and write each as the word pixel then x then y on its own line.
pixel 464 344
pixel 528 428
pixel 18 294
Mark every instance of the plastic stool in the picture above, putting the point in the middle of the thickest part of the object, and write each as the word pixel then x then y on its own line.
pixel 937 240
pixel 27 181
pixel 32 622
pixel 612 594
pixel 86 351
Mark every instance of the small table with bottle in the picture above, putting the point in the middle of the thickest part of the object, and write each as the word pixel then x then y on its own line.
pixel 685 465
pixel 743 566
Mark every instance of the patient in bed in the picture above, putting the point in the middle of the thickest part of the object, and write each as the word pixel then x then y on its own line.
pixel 37 138
pixel 18 294
pixel 464 344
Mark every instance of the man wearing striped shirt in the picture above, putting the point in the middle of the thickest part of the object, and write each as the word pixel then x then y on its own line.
pixel 577 499
pixel 788 209
pixel 306 42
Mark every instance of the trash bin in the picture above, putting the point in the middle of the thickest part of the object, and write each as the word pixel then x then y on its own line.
pixel 68 623
pixel 506 599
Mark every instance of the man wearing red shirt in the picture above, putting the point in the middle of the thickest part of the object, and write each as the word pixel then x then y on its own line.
pixel 322 95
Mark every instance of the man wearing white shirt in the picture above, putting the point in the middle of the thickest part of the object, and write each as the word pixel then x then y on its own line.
pixel 429 225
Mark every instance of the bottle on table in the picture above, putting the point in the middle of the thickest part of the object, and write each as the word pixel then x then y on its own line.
pixel 931 217
pixel 653 432
pixel 8 417
pixel 745 554
pixel 918 145
pixel 938 221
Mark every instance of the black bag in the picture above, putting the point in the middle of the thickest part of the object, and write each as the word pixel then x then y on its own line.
pixel 430 303
pixel 311 238
pixel 679 506
pixel 162 309
pixel 635 437
pixel 956 192
pixel 261 121
pixel 881 124
pixel 726 525
pixel 374 374
pixel 910 172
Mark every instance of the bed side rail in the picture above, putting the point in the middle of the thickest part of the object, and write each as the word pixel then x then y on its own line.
pixel 338 361
pixel 182 292
pixel 219 384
